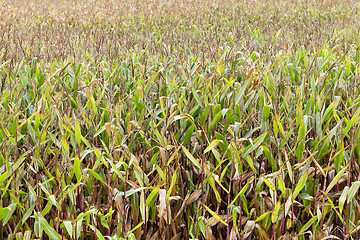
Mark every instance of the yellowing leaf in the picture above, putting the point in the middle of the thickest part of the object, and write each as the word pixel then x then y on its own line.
pixel 77 168
pixel 269 184
pixel 342 198
pixel 275 213
pixel 77 132
pixel 212 145
pixel 217 217
pixel 336 179
pixel 282 186
pixel 191 157
pixel 262 216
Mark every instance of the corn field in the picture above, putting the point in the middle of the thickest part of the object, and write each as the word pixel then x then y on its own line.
pixel 181 119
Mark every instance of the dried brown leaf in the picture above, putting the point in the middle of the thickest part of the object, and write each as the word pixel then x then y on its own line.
pixel 193 197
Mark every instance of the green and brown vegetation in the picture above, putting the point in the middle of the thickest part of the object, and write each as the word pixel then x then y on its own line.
pixel 181 119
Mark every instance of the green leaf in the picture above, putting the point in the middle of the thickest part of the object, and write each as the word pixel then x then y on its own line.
pixel 202 227
pixel 301 142
pixel 223 143
pixel 300 185
pixel 129 192
pixel 68 226
pixel 97 231
pixel 152 197
pixel 352 121
pixel 307 225
pixel 282 186
pixel 73 188
pixel 16 200
pixel 77 168
pixel 275 213
pixel 47 208
pixel 116 169
pixel 3 212
pixel 212 145
pixel 240 93
pixel 328 112
pixel 97 176
pixel 50 231
pixel 242 192
pixel 188 134
pixel 27 213
pixel 172 184
pixel 278 125
pixel 333 207
pixel 249 160
pixel 268 183
pixel 79 228
pixel 324 148
pixel 85 214
pixel 212 184
pixel 339 159
pixel 336 179
pixel 270 157
pixel 204 115
pixel 77 132
pixel 216 119
pixel 256 144
pixel 191 157
pixel 137 226
pixel 64 145
pixel 342 198
pixel 353 190
pixel 18 163
pixel 11 209
pixel 161 173
pixel 3 177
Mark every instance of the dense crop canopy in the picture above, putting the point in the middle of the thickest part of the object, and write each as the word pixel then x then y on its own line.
pixel 179 120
